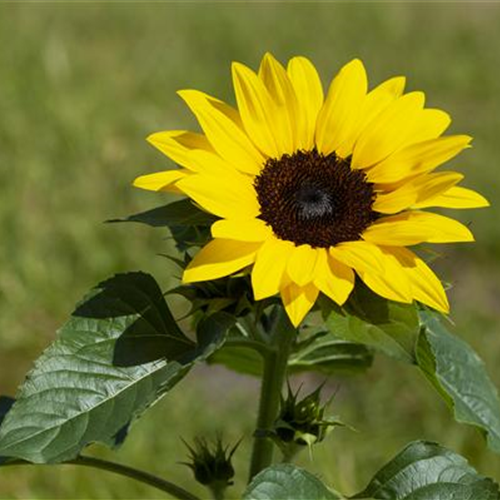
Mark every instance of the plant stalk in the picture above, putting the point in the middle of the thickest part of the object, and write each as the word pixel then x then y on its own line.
pixel 124 470
pixel 275 367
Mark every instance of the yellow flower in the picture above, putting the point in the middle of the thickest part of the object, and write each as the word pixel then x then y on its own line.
pixel 310 189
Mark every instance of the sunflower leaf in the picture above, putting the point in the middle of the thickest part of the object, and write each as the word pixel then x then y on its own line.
pixel 239 359
pixel 387 326
pixel 119 353
pixel 328 354
pixel 427 471
pixel 460 377
pixel 287 482
pixel 181 213
pixel 188 224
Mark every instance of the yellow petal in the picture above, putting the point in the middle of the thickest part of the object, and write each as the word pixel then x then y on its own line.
pixel 333 278
pixel 431 124
pixel 415 192
pixel 270 264
pixel 222 126
pixel 430 185
pixel 425 286
pixel 257 110
pixel 394 86
pixel 375 102
pixel 418 158
pixel 412 228
pixel 161 181
pixel 389 131
pixel 392 283
pixel 178 144
pixel 212 164
pixel 360 255
pixel 241 230
pixel 298 301
pixel 301 264
pixel 282 92
pixel 220 258
pixel 231 195
pixel 455 197
pixel 309 90
pixel 340 112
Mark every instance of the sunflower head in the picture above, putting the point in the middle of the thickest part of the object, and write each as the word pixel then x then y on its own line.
pixel 310 189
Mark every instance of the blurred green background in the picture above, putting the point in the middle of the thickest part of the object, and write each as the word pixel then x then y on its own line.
pixel 82 85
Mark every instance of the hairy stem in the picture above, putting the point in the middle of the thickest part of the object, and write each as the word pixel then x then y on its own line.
pixel 124 470
pixel 275 366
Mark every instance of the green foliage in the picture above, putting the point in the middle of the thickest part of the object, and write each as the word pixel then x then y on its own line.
pixel 322 352
pixel 181 213
pixel 390 327
pixel 427 471
pixel 460 376
pixel 239 359
pixel 118 354
pixel 211 332
pixel 232 294
pixel 287 482
pixel 326 353
pixel 421 471
pixel 188 224
pixel 449 363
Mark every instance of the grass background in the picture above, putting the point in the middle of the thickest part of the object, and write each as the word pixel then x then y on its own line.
pixel 82 84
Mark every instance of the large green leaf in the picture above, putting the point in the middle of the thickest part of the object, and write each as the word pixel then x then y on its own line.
pixel 390 327
pixel 287 482
pixel 181 213
pixel 459 375
pixel 328 354
pixel 427 471
pixel 117 355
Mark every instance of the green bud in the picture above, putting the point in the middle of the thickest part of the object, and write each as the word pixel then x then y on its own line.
pixel 302 422
pixel 211 463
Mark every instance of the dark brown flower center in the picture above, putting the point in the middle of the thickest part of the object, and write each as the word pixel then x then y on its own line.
pixel 311 198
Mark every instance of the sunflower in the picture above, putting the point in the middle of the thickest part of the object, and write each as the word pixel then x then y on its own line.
pixel 311 189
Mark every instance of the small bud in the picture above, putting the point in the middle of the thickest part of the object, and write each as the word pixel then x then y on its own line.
pixel 301 423
pixel 211 464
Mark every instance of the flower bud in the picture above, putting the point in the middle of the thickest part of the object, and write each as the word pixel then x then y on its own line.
pixel 301 422
pixel 211 463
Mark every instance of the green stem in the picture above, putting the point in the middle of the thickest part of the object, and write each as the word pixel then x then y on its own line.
pixel 275 366
pixel 290 452
pixel 218 490
pixel 124 470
